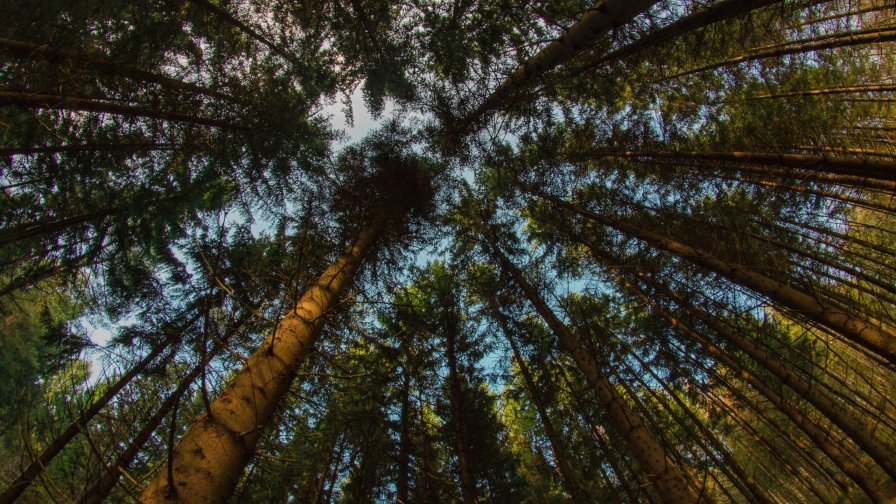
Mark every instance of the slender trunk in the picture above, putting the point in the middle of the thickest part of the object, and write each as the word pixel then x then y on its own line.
pixel 856 329
pixel 721 11
pixel 832 447
pixel 837 413
pixel 33 229
pixel 858 167
pixel 84 60
pixel 28 99
pixel 865 88
pixel 404 442
pixel 21 483
pixel 248 30
pixel 458 416
pixel 55 149
pixel 660 469
pixel 570 482
pixel 583 411
pixel 216 448
pixel 98 492
pixel 594 24
pixel 847 39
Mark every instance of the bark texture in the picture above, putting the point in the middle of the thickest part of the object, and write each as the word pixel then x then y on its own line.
pixel 213 453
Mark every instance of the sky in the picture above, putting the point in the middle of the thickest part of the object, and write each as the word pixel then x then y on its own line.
pixel 101 333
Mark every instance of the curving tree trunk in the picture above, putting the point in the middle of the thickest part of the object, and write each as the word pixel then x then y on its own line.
pixel 716 13
pixel 211 456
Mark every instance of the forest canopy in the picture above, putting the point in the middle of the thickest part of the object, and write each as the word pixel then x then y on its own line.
pixel 602 251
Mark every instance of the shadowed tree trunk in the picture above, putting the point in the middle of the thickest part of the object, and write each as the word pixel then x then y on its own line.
pixel 211 456
pixel 661 470
pixel 27 99
pixel 21 483
pixel 595 23
pixel 469 491
pixel 877 339
pixel 570 482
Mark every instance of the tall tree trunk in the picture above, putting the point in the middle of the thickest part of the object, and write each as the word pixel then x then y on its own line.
pixel 826 442
pixel 216 448
pixel 54 149
pixel 570 482
pixel 34 229
pixel 832 41
pixel 98 492
pixel 838 414
pixel 21 483
pixel 595 23
pixel 464 448
pixel 83 59
pixel 28 99
pixel 660 469
pixel 404 441
pixel 877 339
pixel 721 11
pixel 865 88
pixel 858 167
pixel 248 30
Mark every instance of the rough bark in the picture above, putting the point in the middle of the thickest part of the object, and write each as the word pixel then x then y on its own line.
pixel 862 332
pixel 669 479
pixel 214 451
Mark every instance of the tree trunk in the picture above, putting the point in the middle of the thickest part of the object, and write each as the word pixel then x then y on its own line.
pixel 33 229
pixel 21 483
pixel 837 40
pixel 858 167
pixel 214 451
pixel 851 425
pixel 822 438
pixel 660 469
pixel 862 332
pixel 28 99
pixel 53 149
pixel 570 482
pixel 404 442
pixel 866 88
pixel 83 59
pixel 248 30
pixel 595 23
pixel 463 447
pixel 721 11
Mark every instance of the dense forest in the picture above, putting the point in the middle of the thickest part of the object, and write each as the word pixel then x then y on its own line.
pixel 613 251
